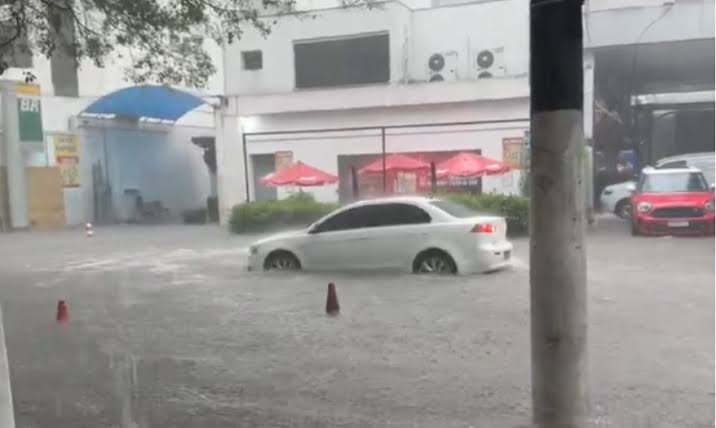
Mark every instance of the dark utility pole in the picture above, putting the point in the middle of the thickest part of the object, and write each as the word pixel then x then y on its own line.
pixel 557 255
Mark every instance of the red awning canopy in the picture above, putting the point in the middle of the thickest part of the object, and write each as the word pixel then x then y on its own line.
pixel 467 164
pixel 395 163
pixel 299 174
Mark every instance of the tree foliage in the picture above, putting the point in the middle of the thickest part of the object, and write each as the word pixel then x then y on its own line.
pixel 164 40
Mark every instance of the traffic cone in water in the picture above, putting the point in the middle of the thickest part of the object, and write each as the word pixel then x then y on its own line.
pixel 89 231
pixel 63 314
pixel 332 306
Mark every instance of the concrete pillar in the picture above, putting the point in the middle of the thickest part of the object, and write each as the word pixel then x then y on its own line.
pixel 14 159
pixel 558 272
pixel 230 165
pixel 7 410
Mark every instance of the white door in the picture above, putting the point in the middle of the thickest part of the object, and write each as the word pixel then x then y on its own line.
pixel 338 243
pixel 395 234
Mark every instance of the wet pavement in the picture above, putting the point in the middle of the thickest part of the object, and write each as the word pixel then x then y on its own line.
pixel 167 330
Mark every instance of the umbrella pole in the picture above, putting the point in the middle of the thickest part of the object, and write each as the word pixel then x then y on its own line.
pixel 354 183
pixel 433 179
pixel 382 145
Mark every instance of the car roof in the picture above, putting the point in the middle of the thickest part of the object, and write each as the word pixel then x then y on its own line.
pixel 687 156
pixel 650 170
pixel 393 199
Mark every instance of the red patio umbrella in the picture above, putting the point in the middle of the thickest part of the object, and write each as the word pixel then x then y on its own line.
pixel 299 174
pixel 395 163
pixel 466 164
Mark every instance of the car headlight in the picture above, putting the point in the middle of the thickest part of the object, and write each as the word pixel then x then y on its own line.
pixel 644 207
pixel 710 205
pixel 607 192
pixel 253 249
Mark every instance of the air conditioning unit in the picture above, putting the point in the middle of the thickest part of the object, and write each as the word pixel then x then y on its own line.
pixel 488 63
pixel 442 66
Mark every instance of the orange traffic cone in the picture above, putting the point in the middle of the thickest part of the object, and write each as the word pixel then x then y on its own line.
pixel 332 306
pixel 63 314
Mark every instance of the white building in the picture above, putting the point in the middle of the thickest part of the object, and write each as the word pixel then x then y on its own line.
pixel 156 161
pixel 336 68
pixel 359 68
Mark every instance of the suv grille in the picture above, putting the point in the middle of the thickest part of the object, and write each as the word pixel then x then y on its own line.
pixel 678 212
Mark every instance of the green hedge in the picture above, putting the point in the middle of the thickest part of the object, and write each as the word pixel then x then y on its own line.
pixel 515 209
pixel 299 209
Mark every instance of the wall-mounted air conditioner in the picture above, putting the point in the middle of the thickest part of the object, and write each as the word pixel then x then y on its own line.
pixel 488 63
pixel 442 66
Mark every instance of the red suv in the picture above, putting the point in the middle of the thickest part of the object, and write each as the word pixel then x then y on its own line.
pixel 671 202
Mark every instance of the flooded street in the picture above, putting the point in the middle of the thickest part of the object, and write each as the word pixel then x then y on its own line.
pixel 167 329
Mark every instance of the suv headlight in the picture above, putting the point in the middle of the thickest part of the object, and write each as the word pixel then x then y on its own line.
pixel 644 207
pixel 710 205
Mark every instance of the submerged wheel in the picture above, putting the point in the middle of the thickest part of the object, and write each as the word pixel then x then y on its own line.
pixel 281 260
pixel 434 262
pixel 623 209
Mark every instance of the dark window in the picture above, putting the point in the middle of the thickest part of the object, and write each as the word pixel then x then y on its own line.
pixel 398 214
pixel 253 60
pixel 374 216
pixel 353 218
pixel 673 183
pixel 339 62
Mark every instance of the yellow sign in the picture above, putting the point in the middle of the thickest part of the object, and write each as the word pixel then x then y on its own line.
pixel 27 89
pixel 67 156
pixel 282 160
pixel 512 151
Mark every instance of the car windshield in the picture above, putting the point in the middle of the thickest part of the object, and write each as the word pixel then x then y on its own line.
pixel 455 209
pixel 674 183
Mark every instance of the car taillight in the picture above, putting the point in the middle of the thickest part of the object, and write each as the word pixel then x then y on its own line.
pixel 483 228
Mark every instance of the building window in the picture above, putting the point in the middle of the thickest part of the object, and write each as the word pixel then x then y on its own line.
pixel 353 60
pixel 253 60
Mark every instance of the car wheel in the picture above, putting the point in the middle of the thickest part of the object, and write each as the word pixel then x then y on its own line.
pixel 281 260
pixel 623 209
pixel 434 262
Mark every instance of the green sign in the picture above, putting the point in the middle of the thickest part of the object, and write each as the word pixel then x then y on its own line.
pixel 29 116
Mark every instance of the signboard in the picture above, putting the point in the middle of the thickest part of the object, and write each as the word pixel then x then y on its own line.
pixel 67 156
pixel 282 160
pixel 29 116
pixel 512 149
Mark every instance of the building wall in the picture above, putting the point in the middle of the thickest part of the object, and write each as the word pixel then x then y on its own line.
pixel 626 22
pixel 277 74
pixel 469 28
pixel 414 36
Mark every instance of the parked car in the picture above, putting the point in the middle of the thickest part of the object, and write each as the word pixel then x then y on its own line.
pixel 616 198
pixel 672 201
pixel 415 234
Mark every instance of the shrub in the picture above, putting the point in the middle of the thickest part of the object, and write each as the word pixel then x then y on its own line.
pixel 514 208
pixel 298 209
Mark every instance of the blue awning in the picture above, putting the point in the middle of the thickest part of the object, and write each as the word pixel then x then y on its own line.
pixel 146 101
